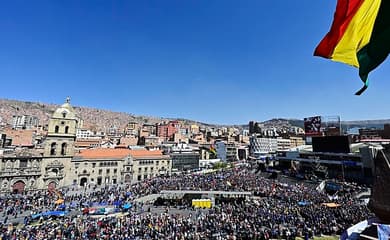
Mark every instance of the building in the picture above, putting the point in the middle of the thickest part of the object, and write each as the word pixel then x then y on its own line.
pixel 260 146
pixel 28 169
pixel 21 138
pixel 132 128
pixel 147 164
pixel 296 141
pixel 184 157
pixel 20 170
pixel 57 169
pixel 167 130
pixel 85 134
pixel 148 129
pixel 231 152
pixel 112 166
pixel 24 122
pixel 87 143
pixel 283 144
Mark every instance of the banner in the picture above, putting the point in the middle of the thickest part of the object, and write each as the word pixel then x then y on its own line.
pixel 312 126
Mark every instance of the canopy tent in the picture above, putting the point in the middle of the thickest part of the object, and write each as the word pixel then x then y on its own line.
pixel 55 213
pixel 127 206
pixel 303 203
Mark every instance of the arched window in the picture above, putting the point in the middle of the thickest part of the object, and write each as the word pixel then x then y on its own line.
pixel 63 149
pixel 53 147
pixel 56 129
pixel 66 129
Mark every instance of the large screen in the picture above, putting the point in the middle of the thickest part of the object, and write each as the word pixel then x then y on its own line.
pixel 333 144
pixel 313 126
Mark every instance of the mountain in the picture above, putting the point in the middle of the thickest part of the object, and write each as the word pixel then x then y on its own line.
pixel 345 125
pixel 94 119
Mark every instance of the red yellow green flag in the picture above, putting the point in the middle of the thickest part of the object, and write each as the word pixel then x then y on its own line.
pixel 359 36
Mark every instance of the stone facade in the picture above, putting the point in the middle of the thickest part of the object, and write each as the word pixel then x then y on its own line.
pixel 57 164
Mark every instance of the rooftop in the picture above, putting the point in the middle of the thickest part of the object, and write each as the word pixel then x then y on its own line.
pixel 116 153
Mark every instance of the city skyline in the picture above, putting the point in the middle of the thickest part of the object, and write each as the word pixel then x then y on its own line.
pixel 218 62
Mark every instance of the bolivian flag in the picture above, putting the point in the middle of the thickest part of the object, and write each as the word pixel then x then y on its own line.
pixel 359 35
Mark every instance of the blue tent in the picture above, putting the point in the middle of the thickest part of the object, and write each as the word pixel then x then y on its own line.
pixel 117 203
pixel 127 206
pixel 34 216
pixel 303 203
pixel 55 213
pixel 61 207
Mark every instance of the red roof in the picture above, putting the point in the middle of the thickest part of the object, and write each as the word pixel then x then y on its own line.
pixel 116 153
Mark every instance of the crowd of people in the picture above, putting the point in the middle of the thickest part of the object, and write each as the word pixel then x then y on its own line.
pixel 278 208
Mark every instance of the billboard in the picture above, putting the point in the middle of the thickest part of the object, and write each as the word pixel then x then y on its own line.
pixel 312 126
pixel 331 144
pixel 322 126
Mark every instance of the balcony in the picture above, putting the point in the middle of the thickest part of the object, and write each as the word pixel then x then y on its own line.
pixel 53 177
pixel 20 172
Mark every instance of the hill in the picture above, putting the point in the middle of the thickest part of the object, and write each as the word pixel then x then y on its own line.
pixel 94 119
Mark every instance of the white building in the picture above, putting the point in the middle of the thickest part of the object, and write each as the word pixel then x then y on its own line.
pixel 24 122
pixel 262 146
pixel 85 133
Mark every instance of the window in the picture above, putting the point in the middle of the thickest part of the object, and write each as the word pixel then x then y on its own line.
pixel 139 177
pixel 93 165
pixel 115 170
pixel 53 147
pixel 63 149
pixel 23 163
pixel 66 129
pixel 108 171
pixel 56 129
pixel 128 169
pixel 100 171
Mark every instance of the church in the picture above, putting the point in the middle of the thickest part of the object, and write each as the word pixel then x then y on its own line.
pixel 58 164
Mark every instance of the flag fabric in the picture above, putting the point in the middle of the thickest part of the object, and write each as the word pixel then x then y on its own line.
pixel 359 36
pixel 383 232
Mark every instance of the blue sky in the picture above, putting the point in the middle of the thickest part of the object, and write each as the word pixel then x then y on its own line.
pixel 216 61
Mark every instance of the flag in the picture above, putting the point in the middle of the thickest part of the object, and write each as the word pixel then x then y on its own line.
pixel 383 232
pixel 359 36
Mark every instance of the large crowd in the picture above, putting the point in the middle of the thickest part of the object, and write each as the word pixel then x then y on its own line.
pixel 279 208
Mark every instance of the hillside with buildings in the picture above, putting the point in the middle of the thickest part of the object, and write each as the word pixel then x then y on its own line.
pixel 93 118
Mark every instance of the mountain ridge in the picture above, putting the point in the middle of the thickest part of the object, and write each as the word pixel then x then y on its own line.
pixel 101 119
